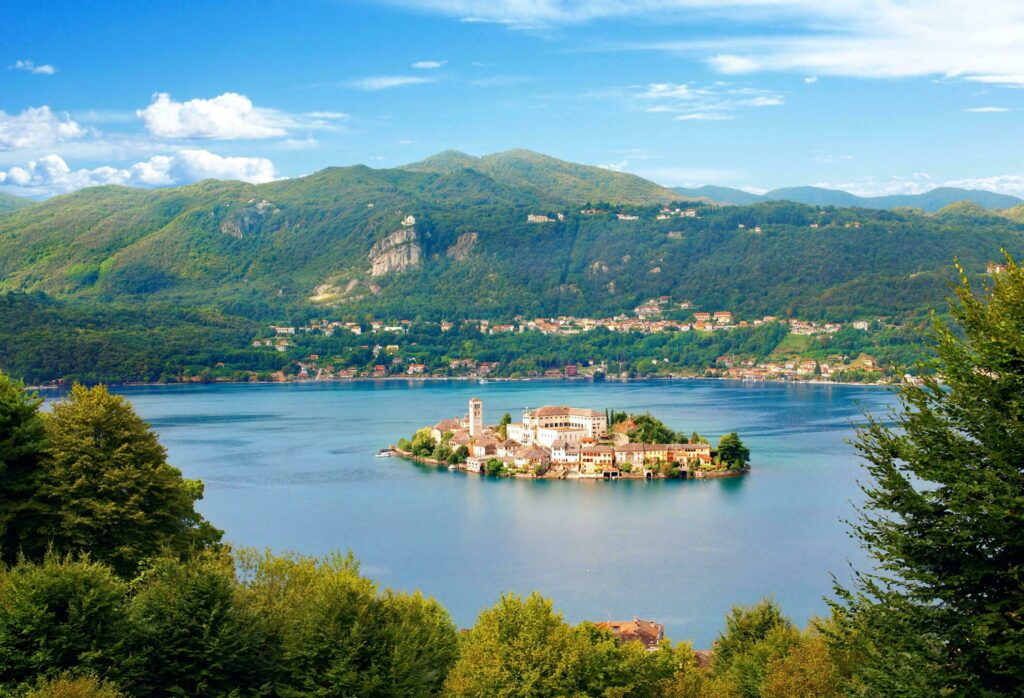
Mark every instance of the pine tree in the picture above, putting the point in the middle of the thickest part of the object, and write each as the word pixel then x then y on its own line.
pixel 943 520
pixel 109 490
pixel 21 443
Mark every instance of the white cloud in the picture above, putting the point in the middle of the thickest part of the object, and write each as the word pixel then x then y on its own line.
pixel 979 40
pixel 386 82
pixel 30 67
pixel 37 127
pixel 810 80
pixel 921 182
pixel 428 65
pixel 986 110
pixel 716 102
pixel 704 116
pixel 227 116
pixel 50 174
pixel 1003 184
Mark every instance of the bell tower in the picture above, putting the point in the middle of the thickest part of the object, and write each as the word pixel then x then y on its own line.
pixel 476 417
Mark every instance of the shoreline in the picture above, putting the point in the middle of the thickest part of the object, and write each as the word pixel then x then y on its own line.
pixel 424 379
pixel 698 475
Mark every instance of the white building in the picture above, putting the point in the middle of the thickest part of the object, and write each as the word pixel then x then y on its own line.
pixel 551 423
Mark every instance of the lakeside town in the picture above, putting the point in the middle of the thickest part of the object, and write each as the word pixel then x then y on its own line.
pixel 563 442
pixel 393 356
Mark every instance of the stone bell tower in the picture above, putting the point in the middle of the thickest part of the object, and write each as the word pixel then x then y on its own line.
pixel 476 417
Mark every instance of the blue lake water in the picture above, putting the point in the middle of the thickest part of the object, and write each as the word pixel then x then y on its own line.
pixel 292 467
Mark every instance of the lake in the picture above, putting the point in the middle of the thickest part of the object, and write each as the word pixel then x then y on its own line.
pixel 292 467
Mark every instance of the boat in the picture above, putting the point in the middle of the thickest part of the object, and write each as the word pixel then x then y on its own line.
pixel 453 467
pixel 483 381
pixel 385 452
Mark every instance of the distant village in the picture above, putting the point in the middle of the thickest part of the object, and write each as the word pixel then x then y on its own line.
pixel 647 318
pixel 557 442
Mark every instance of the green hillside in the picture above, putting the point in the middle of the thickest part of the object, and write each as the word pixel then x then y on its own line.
pixel 10 202
pixel 334 243
pixel 550 178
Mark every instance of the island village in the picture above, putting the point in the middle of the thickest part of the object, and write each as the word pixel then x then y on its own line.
pixel 560 442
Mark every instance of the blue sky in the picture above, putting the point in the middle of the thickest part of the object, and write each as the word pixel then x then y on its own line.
pixel 879 96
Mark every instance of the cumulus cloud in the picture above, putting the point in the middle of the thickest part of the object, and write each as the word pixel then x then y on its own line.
pixel 50 175
pixel 30 67
pixel 428 65
pixel 37 127
pixel 227 116
pixel 878 39
pixel 387 82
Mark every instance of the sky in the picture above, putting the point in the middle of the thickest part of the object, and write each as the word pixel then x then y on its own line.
pixel 875 97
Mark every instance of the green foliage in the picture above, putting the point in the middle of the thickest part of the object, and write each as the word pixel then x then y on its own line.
pixel 732 453
pixel 189 635
pixel 651 430
pixel 753 638
pixel 422 443
pixel 941 612
pixel 521 647
pixel 70 686
pixel 502 432
pixel 108 489
pixel 333 634
pixel 494 467
pixel 59 615
pixel 21 444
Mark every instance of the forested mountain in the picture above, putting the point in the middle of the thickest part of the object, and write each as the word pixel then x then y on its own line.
pixel 930 201
pixel 550 178
pixel 338 242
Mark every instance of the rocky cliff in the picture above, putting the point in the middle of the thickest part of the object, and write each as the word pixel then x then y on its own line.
pixel 398 251
pixel 463 246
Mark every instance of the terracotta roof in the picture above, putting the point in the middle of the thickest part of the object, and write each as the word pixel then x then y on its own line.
pixel 637 630
pixel 557 410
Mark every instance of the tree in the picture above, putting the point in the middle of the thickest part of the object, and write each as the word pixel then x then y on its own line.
pixel 522 647
pixel 59 615
pixel 189 635
pixel 940 612
pixel 493 466
pixel 807 669
pixel 422 443
pixel 330 633
pixel 651 430
pixel 732 453
pixel 108 488
pixel 506 419
pixel 21 444
pixel 753 638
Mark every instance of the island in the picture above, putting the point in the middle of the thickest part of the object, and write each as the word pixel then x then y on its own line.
pixel 562 442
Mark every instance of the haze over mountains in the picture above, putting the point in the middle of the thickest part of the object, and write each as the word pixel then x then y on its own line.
pixel 554 181
pixel 929 201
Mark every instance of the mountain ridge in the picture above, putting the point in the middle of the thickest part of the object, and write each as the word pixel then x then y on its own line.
pixel 929 201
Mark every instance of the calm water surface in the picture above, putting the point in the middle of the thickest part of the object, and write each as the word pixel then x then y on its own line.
pixel 291 467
